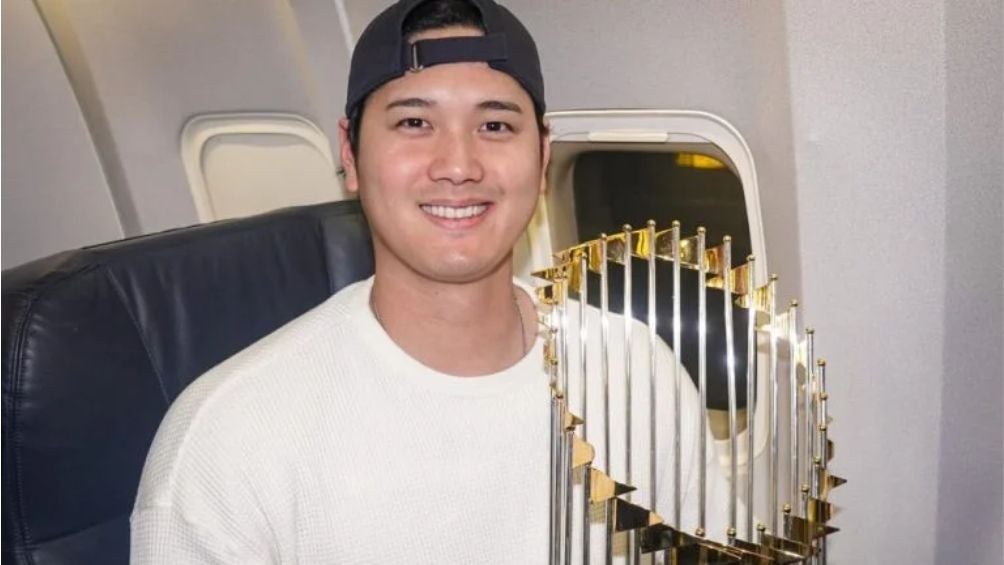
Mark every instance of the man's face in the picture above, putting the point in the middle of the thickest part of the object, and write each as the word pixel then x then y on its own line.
pixel 449 169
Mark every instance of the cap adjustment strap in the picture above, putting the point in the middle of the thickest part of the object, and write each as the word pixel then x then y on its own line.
pixel 428 52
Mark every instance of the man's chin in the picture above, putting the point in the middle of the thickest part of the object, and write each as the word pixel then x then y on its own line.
pixel 465 270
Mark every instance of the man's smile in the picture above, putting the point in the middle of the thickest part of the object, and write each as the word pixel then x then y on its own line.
pixel 456 215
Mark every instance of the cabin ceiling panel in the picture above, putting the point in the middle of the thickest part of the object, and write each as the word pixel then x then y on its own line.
pixel 319 28
pixel 361 12
pixel 55 195
pixel 155 64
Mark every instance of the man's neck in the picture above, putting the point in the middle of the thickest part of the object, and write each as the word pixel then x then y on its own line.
pixel 468 329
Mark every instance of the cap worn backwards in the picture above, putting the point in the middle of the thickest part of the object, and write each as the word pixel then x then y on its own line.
pixel 383 53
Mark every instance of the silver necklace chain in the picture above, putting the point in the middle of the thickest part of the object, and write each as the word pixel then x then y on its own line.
pixel 522 324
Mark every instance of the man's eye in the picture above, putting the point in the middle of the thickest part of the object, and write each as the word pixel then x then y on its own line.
pixel 496 127
pixel 412 123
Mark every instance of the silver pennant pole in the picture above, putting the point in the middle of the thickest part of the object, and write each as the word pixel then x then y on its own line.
pixel 555 523
pixel 702 379
pixel 557 433
pixel 677 385
pixel 793 430
pixel 583 383
pixel 557 372
pixel 566 492
pixel 773 463
pixel 605 376
pixel 750 395
pixel 628 318
pixel 677 376
pixel 652 335
pixel 730 363
pixel 824 445
pixel 568 497
pixel 810 486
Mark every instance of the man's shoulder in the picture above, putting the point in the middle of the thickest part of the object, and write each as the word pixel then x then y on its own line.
pixel 232 407
pixel 325 326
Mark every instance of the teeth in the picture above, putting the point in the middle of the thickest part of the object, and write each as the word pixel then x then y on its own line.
pixel 454 212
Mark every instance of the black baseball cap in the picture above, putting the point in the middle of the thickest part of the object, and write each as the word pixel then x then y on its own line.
pixel 383 53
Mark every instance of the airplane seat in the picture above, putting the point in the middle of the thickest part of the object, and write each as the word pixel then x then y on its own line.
pixel 97 342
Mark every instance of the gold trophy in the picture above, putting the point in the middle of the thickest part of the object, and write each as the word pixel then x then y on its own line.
pixel 598 361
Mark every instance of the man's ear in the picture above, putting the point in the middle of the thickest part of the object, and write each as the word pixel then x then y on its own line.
pixel 347 157
pixel 545 155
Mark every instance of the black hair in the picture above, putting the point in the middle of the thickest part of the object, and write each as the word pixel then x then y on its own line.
pixel 437 14
pixel 434 14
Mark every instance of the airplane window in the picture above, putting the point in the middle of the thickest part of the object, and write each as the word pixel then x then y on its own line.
pixel 616 187
pixel 240 164
pixel 611 188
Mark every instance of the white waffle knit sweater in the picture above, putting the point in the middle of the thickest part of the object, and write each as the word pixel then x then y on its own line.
pixel 326 443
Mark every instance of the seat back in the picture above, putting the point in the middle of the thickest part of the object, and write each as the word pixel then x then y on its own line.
pixel 98 342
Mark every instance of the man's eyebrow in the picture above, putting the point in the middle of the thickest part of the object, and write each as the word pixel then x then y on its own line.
pixel 411 103
pixel 500 105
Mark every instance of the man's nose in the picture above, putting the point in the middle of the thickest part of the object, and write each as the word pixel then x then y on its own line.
pixel 457 159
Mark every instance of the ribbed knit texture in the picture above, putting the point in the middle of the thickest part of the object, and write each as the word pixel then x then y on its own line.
pixel 326 443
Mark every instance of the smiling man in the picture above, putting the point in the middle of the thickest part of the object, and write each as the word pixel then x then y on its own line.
pixel 448 160
pixel 406 418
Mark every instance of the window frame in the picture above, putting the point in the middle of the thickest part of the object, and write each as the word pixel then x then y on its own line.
pixel 676 130
pixel 201 129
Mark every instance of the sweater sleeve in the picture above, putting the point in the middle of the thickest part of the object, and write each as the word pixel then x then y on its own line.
pixel 162 535
pixel 197 502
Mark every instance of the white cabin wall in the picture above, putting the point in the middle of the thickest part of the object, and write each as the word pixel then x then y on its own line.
pixel 54 192
pixel 143 68
pixel 972 425
pixel 897 121
pixel 869 89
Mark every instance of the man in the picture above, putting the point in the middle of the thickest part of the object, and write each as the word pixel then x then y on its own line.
pixel 406 418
